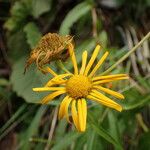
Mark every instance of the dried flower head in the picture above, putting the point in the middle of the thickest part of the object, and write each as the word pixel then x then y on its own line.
pixel 51 47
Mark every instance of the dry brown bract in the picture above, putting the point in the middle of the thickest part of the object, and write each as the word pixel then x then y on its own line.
pixel 51 47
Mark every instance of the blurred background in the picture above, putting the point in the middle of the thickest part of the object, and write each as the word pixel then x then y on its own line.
pixel 117 25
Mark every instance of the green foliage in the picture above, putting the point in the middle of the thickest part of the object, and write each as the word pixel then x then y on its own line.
pixel 19 13
pixel 17 45
pixel 67 140
pixel 33 128
pixel 144 141
pixel 106 129
pixel 32 33
pixel 39 7
pixel 23 84
pixel 103 133
pixel 76 13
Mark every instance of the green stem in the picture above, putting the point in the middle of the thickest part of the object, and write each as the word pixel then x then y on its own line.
pixel 104 114
pixel 127 54
pixel 39 140
pixel 61 65
pixel 141 122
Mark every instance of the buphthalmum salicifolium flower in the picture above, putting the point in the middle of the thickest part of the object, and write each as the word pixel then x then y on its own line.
pixel 80 86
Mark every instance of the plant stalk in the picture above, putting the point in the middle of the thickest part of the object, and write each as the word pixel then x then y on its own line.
pixel 126 55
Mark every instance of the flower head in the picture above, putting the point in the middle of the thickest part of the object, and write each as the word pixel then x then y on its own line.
pixel 80 86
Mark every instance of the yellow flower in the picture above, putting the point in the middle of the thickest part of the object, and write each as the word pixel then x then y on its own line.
pixel 81 85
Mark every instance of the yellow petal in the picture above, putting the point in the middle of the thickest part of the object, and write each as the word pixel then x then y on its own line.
pixel 55 82
pixel 73 58
pixel 80 115
pixel 63 110
pixel 48 69
pixel 61 113
pixel 84 59
pixel 109 77
pixel 94 55
pixel 98 64
pixel 58 79
pixel 74 115
pixel 105 101
pixel 84 111
pixel 48 89
pixel 51 96
pixel 100 95
pixel 66 108
pixel 111 92
pixel 109 80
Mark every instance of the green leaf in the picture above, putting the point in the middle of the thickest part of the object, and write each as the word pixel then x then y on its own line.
pixel 102 132
pixel 91 140
pixel 103 39
pixel 60 130
pixel 77 12
pixel 141 101
pixel 81 140
pixel 32 33
pixel 19 12
pixel 40 6
pixel 66 141
pixel 17 45
pixel 4 82
pixel 33 128
pixel 113 126
pixel 23 84
pixel 144 82
pixel 144 142
pixel 11 24
pixel 14 116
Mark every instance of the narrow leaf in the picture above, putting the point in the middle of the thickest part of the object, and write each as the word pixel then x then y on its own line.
pixel 77 12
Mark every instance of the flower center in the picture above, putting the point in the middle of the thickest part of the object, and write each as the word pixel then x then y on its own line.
pixel 78 86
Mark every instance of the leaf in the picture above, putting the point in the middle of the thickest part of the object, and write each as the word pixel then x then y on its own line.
pixel 77 12
pixel 33 128
pixel 113 125
pixel 40 6
pixel 145 83
pixel 23 84
pixel 17 45
pixel 141 101
pixel 60 130
pixel 91 140
pixel 32 33
pixel 102 132
pixel 19 12
pixel 144 142
pixel 4 82
pixel 103 38
pixel 12 119
pixel 81 140
pixel 66 141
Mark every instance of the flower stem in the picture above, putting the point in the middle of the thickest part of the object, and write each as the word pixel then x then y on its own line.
pixel 61 65
pixel 141 122
pixel 127 54
pixel 39 140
